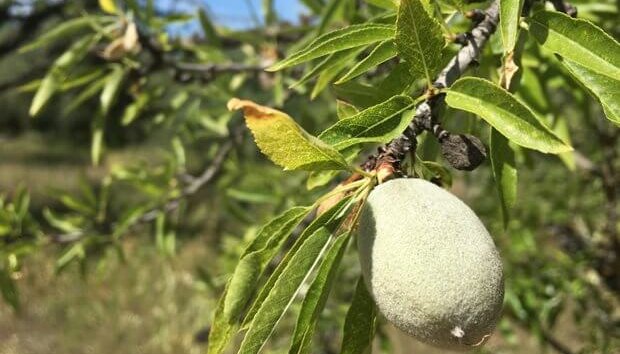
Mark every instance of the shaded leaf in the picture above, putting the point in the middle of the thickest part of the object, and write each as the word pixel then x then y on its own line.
pixel 256 256
pixel 208 28
pixel 360 95
pixel 505 113
pixel 327 219
pixel 8 289
pixel 285 142
pixel 302 262
pixel 345 110
pixel 504 169
pixel 317 294
pixel 419 40
pixel 222 330
pixel 380 123
pixel 604 88
pixel 330 72
pixel 65 29
pixel 329 61
pixel 335 41
pixel 359 325
pixel 321 178
pixel 383 52
pixel 577 40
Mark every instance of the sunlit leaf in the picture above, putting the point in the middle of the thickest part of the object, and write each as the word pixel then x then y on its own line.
pixel 380 123
pixel 108 6
pixel 603 87
pixel 504 112
pixel 285 142
pixel 111 88
pixel 509 15
pixel 335 41
pixel 419 40
pixel 577 40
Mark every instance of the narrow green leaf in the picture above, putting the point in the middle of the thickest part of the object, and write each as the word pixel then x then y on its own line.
pixel 111 88
pixel 384 4
pixel 65 29
pixel 335 41
pixel 360 95
pixel 327 219
pixel 604 88
pixel 329 73
pixel 285 142
pixel 133 110
pixel 222 330
pixel 380 123
pixel 328 14
pixel 560 128
pixel 48 87
pixel 419 40
pixel 58 72
pixel 269 12
pixel 208 28
pixel 383 52
pixel 505 172
pixel 315 299
pixel 509 15
pixel 315 5
pixel 321 178
pixel 90 91
pixel 242 284
pixel 96 145
pixel 302 262
pixel 577 40
pixel 329 61
pixel 505 113
pixel 255 258
pixel 359 325
pixel 397 82
pixel 9 290
pixel 345 110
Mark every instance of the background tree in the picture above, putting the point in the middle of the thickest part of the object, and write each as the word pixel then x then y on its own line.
pixel 137 106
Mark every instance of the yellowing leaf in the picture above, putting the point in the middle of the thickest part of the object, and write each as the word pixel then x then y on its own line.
pixel 108 6
pixel 286 143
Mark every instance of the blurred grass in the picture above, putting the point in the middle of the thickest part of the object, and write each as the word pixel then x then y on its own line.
pixel 147 304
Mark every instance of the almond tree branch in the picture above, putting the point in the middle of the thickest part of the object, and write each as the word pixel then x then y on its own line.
pixel 390 156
